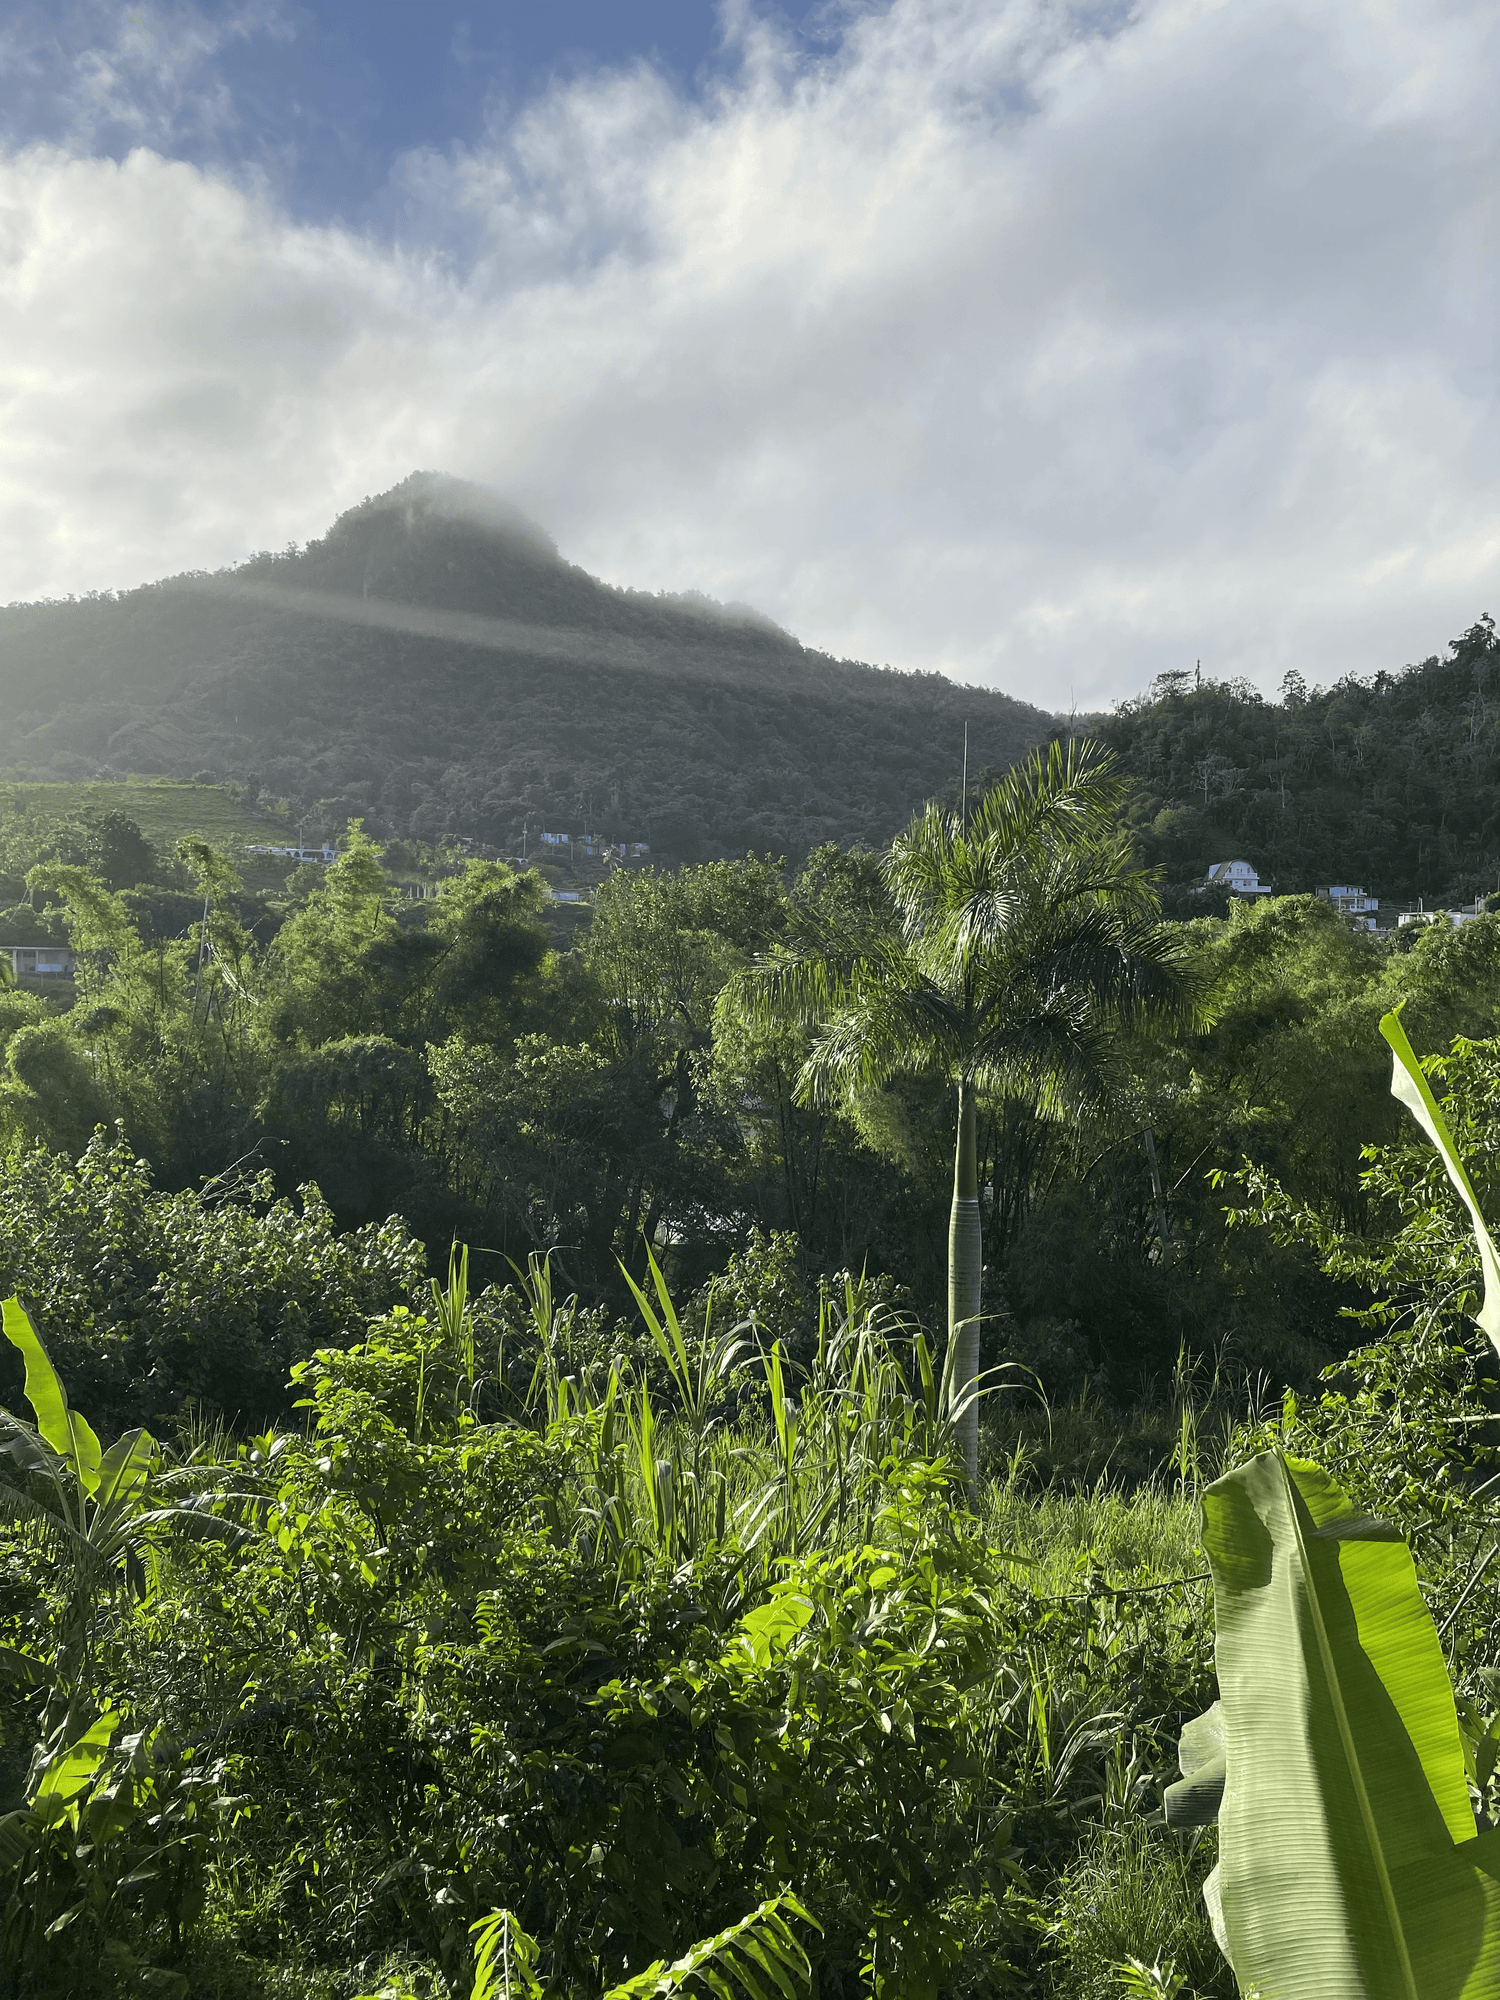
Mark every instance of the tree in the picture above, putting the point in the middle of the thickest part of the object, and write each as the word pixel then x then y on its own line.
pixel 1019 941
pixel 121 853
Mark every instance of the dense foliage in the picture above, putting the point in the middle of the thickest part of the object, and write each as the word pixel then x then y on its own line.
pixel 442 1061
pixel 411 1605
pixel 502 1627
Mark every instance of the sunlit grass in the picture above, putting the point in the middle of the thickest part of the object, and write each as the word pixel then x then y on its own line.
pixel 1149 1534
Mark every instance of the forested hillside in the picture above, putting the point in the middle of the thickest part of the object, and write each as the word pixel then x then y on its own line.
pixel 1390 780
pixel 434 666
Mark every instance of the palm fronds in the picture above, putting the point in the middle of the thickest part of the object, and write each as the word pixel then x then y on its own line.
pixel 757 1956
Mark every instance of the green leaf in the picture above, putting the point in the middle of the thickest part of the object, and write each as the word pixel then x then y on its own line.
pixel 1350 1867
pixel 66 1432
pixel 1412 1089
pixel 23 1667
pixel 505 1959
pixel 771 1628
pixel 1195 1799
pixel 20 1442
pixel 765 1956
pixel 72 1769
pixel 123 1468
pixel 715 1963
pixel 666 1332
pixel 16 1829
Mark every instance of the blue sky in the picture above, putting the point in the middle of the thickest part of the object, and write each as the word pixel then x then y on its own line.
pixel 1046 343
pixel 324 95
pixel 385 77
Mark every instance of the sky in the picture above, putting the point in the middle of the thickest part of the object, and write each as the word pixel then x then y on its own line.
pixel 1046 343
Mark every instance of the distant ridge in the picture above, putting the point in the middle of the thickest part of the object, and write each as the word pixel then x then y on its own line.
pixel 436 666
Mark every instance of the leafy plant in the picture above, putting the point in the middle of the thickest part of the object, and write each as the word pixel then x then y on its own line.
pixel 109 1826
pixel 1410 1086
pixel 757 1955
pixel 86 1503
pixel 1351 1863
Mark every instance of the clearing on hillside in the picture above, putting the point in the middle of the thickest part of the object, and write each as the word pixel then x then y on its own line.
pixel 165 809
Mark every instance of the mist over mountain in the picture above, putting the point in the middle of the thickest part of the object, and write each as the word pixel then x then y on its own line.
pixel 434 665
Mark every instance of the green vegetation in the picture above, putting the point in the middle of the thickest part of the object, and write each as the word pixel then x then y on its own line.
pixel 1350 1790
pixel 1391 781
pixel 634 1605
pixel 445 1062
pixel 1014 944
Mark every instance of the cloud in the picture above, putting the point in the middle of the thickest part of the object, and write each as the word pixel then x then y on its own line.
pixel 1047 345
pixel 103 75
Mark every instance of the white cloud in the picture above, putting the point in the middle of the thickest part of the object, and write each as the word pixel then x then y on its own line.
pixel 113 73
pixel 1047 345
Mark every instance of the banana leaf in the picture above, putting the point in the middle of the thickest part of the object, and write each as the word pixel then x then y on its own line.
pixel 70 1435
pixel 1350 1865
pixel 72 1770
pixel 1411 1088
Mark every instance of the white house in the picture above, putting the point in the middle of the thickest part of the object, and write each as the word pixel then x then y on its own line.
pixel 1238 877
pixel 1466 915
pixel 39 961
pixel 1351 902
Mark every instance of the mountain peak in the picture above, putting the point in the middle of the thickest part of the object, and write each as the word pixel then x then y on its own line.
pixel 432 541
pixel 427 499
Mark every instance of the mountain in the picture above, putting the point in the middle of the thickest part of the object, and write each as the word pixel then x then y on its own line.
pixel 1390 781
pixel 434 665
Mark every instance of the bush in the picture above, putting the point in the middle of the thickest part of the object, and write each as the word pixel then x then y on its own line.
pixel 155 1306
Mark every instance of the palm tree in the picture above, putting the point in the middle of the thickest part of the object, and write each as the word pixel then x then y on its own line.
pixel 1018 941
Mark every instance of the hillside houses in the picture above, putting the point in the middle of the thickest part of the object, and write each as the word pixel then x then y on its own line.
pixel 1354 903
pixel 1464 914
pixel 593 846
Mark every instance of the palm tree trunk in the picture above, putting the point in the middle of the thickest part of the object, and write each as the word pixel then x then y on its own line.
pixel 965 1275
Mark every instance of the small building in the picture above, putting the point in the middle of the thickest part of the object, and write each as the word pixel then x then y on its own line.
pixel 1465 914
pixel 39 961
pixel 324 856
pixel 1238 877
pixel 1351 902
pixel 566 895
pixel 556 840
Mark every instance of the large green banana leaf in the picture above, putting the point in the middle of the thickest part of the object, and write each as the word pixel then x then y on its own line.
pixel 1411 1088
pixel 70 1435
pixel 1350 1866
